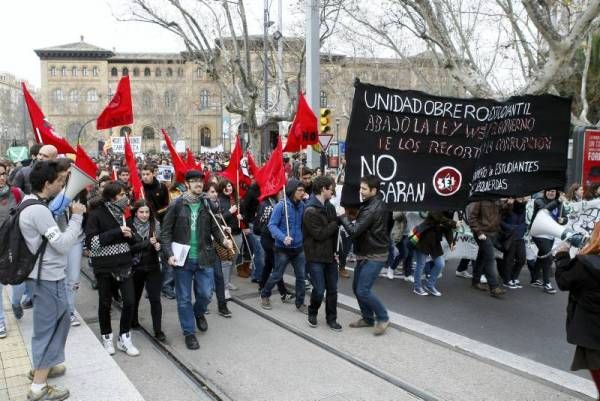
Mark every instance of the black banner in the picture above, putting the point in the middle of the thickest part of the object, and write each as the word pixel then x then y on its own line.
pixel 437 153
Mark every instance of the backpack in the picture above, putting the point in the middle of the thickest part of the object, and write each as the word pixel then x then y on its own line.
pixel 16 261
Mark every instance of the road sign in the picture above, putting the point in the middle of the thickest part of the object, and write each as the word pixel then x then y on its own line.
pixel 324 141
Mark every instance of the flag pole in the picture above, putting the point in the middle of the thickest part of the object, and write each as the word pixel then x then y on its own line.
pixel 287 223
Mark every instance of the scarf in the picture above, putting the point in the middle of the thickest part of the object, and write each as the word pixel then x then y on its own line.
pixel 191 198
pixel 142 228
pixel 116 209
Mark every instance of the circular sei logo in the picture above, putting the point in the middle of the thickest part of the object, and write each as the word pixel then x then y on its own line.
pixel 447 181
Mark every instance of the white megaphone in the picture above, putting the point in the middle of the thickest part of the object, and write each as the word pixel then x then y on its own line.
pixel 77 181
pixel 544 225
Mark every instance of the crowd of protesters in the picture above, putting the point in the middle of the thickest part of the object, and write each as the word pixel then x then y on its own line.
pixel 185 239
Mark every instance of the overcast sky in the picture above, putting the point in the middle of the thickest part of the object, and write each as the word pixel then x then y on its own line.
pixel 34 24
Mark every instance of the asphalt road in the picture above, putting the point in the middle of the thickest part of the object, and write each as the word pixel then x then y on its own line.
pixel 527 322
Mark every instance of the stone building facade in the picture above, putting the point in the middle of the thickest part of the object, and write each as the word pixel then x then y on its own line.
pixel 15 128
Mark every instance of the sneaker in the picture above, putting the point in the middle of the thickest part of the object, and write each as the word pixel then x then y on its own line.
pixel 232 287
pixel 481 287
pixel 420 291
pixel 464 274
pixel 380 327
pixel 168 295
pixel 361 323
pixel 227 294
pixel 302 309
pixel 191 342
pixel 160 336
pixel 288 298
pixel 3 331
pixel 548 289
pixel 335 326
pixel 497 292
pixel 398 273
pixel 537 284
pixel 201 323
pixel 390 273
pixel 383 272
pixel 27 304
pixel 55 371
pixel 224 310
pixel 483 279
pixel 124 344
pixel 518 283
pixel 49 393
pixel 433 291
pixel 513 285
pixel 18 311
pixel 312 320
pixel 307 285
pixel 410 279
pixel 265 303
pixel 107 343
pixel 75 321
pixel 344 273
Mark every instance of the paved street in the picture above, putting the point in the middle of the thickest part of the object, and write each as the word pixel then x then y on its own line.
pixel 526 322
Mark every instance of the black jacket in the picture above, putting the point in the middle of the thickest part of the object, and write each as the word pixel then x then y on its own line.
pixel 176 228
pixel 143 252
pixel 109 250
pixel 438 225
pixel 157 196
pixel 230 219
pixel 320 231
pixel 553 206
pixel 370 232
pixel 249 205
pixel 581 277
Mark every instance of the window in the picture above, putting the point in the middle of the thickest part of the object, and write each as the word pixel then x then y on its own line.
pixel 157 72
pixel 147 99
pixel 146 72
pixel 323 99
pixel 114 72
pixel 205 137
pixel 84 71
pixel 148 133
pixel 169 72
pixel 125 71
pixel 198 72
pixel 125 131
pixel 74 71
pixel 52 71
pixel 180 72
pixel 92 95
pixel 136 72
pixel 169 99
pixel 204 98
pixel 63 71
pixel 74 96
pixel 58 95
pixel 95 71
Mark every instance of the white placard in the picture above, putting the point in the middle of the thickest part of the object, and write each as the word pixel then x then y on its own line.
pixel 118 144
pixel 179 147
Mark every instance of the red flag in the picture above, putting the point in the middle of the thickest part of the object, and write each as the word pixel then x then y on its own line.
pixel 120 110
pixel 180 167
pixel 252 167
pixel 134 177
pixel 191 161
pixel 114 174
pixel 85 164
pixel 43 131
pixel 304 129
pixel 234 173
pixel 271 177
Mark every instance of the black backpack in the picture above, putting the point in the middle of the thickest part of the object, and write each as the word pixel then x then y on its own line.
pixel 16 261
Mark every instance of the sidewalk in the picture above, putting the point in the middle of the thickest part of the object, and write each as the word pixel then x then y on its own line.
pixel 92 374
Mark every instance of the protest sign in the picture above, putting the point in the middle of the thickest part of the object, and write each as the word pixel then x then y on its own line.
pixel 165 173
pixel 437 153
pixel 118 144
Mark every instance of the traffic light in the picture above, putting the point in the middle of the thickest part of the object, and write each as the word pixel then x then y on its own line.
pixel 325 121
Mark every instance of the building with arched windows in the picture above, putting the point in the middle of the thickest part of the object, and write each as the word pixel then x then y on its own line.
pixel 78 79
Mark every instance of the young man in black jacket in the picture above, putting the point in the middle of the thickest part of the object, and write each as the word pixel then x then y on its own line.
pixel 320 231
pixel 188 222
pixel 371 238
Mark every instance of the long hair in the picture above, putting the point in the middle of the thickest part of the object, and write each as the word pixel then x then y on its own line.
pixel 593 244
pixel 141 203
pixel 571 191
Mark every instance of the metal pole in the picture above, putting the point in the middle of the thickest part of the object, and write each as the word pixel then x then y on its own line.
pixel 82 127
pixel 280 55
pixel 337 139
pixel 265 72
pixel 313 79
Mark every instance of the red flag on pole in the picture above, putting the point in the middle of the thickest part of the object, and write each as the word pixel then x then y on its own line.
pixel 191 161
pixel 271 177
pixel 134 177
pixel 304 129
pixel 83 161
pixel 252 166
pixel 43 131
pixel 120 110
pixel 180 166
pixel 234 173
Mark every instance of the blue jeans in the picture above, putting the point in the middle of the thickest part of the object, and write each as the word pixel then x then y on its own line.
pixel 365 274
pixel 168 282
pixel 259 256
pixel 73 273
pixel 202 279
pixel 485 263
pixel 434 269
pixel 282 258
pixel 324 278
pixel 1 307
pixel 18 291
